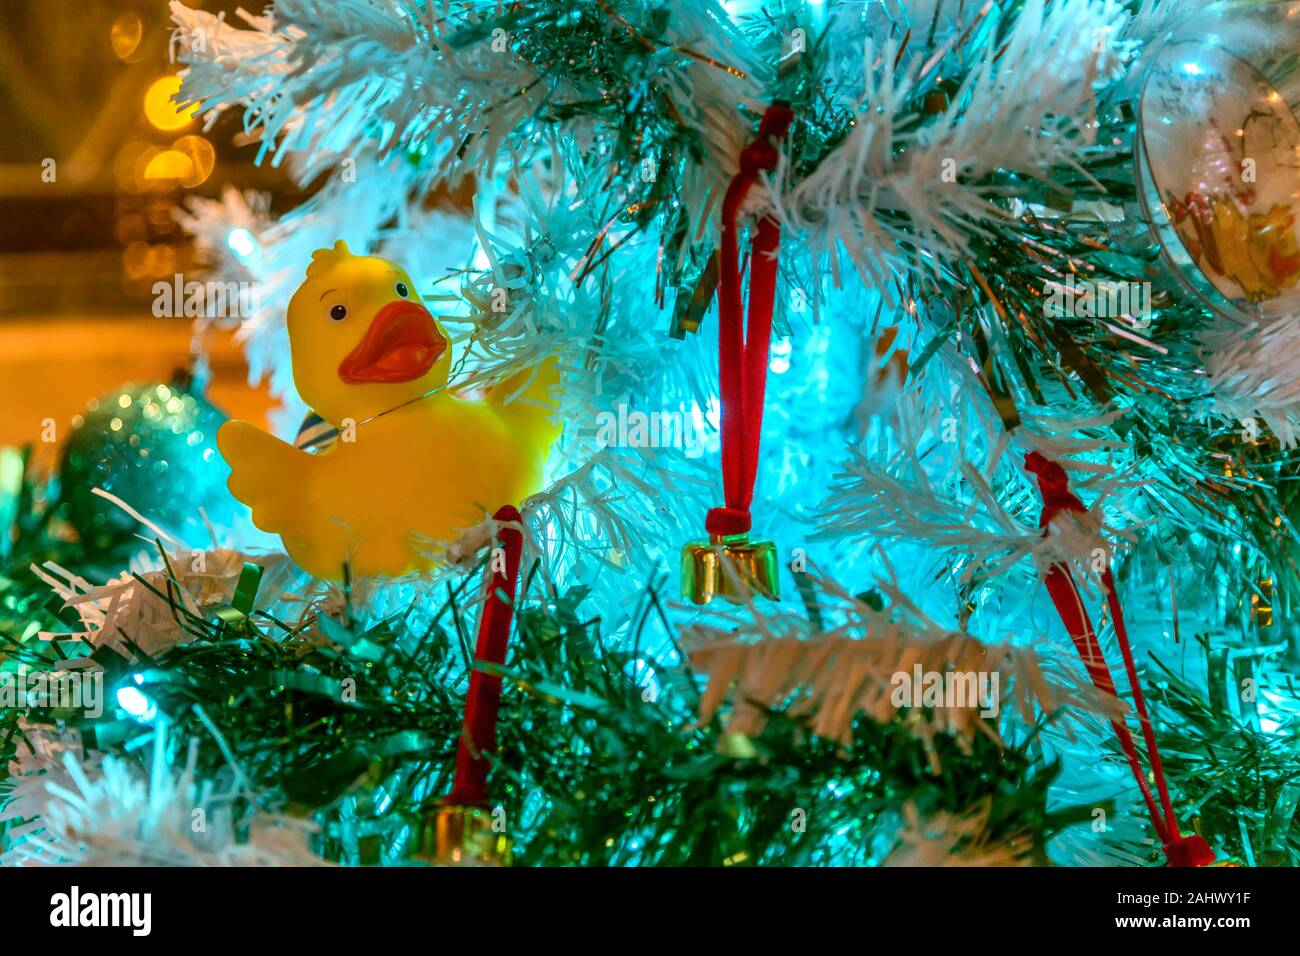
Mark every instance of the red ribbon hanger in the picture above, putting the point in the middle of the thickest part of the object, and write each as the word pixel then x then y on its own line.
pixel 479 735
pixel 1054 485
pixel 743 356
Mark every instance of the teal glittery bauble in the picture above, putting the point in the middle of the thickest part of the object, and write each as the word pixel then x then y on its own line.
pixel 155 447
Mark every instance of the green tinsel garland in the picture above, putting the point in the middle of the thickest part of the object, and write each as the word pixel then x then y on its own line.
pixel 591 768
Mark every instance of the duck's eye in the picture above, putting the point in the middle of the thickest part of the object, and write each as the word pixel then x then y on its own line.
pixel 339 312
pixel 402 290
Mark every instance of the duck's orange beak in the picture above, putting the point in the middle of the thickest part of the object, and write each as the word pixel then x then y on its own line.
pixel 402 343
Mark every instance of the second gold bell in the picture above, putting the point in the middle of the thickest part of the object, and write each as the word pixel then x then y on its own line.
pixel 730 567
pixel 461 836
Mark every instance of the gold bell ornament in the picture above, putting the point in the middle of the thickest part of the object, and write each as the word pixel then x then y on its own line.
pixel 731 567
pixel 456 835
pixel 729 564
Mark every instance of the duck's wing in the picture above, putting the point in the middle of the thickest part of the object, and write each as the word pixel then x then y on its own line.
pixel 527 402
pixel 268 475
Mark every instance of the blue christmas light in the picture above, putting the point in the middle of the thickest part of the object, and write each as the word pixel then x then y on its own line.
pixel 781 350
pixel 241 242
pixel 135 702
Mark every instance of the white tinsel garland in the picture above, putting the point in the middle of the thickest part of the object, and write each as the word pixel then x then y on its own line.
pixel 102 810
pixel 1253 373
pixel 850 669
pixel 991 123
pixel 947 839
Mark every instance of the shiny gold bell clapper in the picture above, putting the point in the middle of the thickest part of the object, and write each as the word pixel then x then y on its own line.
pixel 731 567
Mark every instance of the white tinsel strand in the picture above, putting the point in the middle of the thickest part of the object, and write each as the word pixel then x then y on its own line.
pixel 954 484
pixel 833 675
pixel 319 76
pixel 992 123
pixel 1253 373
pixel 947 839
pixel 199 581
pixel 322 75
pixel 103 810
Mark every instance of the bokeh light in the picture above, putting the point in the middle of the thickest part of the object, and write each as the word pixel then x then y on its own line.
pixel 159 108
pixel 125 36
pixel 168 165
pixel 202 158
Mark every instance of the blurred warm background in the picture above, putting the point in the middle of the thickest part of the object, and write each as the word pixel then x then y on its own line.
pixel 94 163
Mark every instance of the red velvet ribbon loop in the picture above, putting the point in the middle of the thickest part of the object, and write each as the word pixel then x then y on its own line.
pixel 756 158
pixel 726 521
pixel 761 154
pixel 479 735
pixel 743 353
pixel 1054 485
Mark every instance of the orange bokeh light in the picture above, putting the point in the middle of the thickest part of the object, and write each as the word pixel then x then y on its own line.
pixel 159 108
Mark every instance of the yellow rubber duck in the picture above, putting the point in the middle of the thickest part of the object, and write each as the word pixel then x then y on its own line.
pixel 365 353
